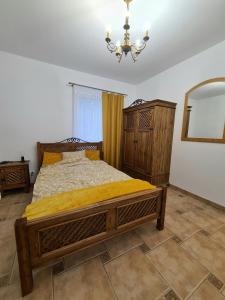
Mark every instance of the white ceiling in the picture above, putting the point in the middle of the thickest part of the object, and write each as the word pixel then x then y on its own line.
pixel 71 33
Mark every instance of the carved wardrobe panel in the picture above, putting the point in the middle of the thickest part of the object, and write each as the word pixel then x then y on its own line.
pixel 147 140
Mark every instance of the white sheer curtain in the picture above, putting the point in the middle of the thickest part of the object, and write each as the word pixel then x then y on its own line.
pixel 87 114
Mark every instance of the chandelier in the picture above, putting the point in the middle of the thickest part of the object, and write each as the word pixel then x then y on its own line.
pixel 126 46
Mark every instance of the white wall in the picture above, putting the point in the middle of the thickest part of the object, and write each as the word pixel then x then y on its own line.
pixel 36 104
pixel 196 167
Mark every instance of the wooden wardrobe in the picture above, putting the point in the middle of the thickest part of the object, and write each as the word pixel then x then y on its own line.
pixel 147 140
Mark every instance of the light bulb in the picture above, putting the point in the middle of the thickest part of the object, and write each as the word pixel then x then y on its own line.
pixel 146 29
pixel 118 44
pixel 138 43
pixel 108 29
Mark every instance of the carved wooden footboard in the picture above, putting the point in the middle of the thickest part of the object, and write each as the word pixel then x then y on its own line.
pixel 44 239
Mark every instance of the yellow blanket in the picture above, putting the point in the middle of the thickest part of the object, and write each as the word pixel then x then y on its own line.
pixel 82 197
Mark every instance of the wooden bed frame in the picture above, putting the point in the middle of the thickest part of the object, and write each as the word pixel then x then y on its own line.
pixel 44 239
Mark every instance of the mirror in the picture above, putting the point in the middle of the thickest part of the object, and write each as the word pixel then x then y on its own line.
pixel 204 112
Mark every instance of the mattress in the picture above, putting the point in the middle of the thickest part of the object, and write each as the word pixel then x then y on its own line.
pixel 67 176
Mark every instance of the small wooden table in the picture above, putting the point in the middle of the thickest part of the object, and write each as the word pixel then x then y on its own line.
pixel 13 175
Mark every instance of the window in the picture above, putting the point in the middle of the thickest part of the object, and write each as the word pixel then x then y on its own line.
pixel 87 114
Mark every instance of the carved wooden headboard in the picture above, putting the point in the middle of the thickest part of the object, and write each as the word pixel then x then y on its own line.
pixel 67 145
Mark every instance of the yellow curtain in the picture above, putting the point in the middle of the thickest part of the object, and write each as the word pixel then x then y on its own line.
pixel 112 113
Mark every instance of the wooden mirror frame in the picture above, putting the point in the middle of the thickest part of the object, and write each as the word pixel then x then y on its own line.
pixel 186 116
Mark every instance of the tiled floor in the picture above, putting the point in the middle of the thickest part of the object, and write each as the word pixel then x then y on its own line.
pixel 184 261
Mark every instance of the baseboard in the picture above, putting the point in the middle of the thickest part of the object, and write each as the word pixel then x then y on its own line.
pixel 216 205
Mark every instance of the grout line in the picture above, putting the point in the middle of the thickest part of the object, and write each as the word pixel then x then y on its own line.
pixel 218 229
pixel 11 271
pixel 74 266
pixel 164 293
pixel 187 238
pixel 163 277
pixel 192 256
pixel 52 280
pixel 109 280
pixel 160 244
pixel 125 252
pixel 197 286
pixel 222 290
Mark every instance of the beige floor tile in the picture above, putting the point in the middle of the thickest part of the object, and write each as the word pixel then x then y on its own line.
pixel 89 281
pixel 42 288
pixel 206 291
pixel 16 210
pixel 15 271
pixel 215 213
pixel 208 252
pixel 183 201
pixel 7 228
pixel 82 256
pixel 201 219
pixel 122 243
pixel 3 211
pixel 153 237
pixel 177 203
pixel 134 277
pixel 16 198
pixel 182 227
pixel 219 236
pixel 212 229
pixel 7 254
pixel 181 270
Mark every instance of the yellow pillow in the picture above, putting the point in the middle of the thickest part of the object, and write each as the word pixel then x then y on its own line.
pixel 51 158
pixel 92 154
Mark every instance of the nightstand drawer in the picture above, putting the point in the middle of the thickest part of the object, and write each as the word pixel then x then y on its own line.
pixel 15 175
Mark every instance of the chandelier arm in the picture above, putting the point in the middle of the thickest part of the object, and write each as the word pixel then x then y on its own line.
pixel 133 56
pixel 139 49
pixel 119 60
pixel 120 57
pixel 111 47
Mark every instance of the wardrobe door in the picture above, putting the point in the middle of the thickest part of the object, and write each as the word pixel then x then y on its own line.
pixel 144 141
pixel 130 123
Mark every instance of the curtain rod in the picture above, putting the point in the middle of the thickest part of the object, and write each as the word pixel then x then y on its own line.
pixel 73 83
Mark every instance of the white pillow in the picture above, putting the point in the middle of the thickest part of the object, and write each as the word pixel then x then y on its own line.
pixel 73 156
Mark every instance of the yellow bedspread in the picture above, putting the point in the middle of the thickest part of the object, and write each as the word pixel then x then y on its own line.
pixel 78 198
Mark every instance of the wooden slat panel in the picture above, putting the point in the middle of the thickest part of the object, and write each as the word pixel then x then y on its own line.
pixel 135 211
pixel 61 235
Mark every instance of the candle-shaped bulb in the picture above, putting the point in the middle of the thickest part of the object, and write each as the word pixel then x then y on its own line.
pixel 118 43
pixel 108 34
pixel 138 43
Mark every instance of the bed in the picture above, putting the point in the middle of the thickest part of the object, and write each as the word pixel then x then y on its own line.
pixel 49 237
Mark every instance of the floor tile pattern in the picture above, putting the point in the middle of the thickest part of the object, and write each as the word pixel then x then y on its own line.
pixel 184 261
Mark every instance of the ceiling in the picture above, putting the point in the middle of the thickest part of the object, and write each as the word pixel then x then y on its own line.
pixel 70 33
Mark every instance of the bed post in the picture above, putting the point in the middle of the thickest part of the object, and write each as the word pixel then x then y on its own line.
pixel 23 252
pixel 161 218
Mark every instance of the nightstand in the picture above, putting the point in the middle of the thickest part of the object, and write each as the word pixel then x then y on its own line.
pixel 13 175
